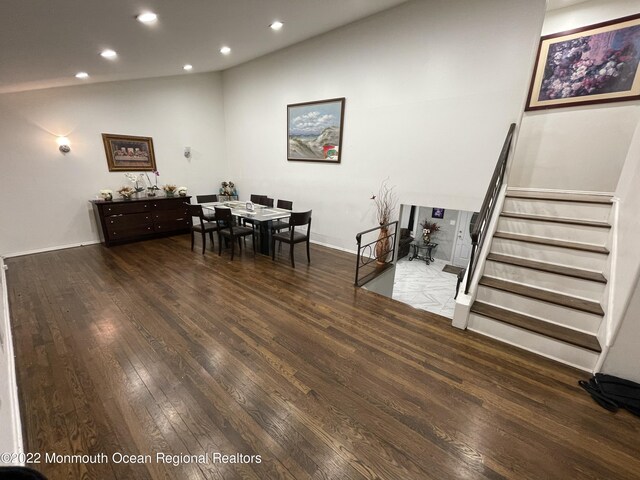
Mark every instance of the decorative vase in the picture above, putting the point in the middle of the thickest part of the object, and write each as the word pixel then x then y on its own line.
pixel 426 239
pixel 169 194
pixel 382 246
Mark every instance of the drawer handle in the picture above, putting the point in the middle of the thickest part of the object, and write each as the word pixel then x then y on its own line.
pixel 179 219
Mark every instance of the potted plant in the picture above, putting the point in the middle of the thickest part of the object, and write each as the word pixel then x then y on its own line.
pixel 169 189
pixel 152 189
pixel 385 202
pixel 428 229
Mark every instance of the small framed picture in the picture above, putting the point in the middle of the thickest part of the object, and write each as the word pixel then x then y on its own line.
pixel 314 131
pixel 437 213
pixel 126 153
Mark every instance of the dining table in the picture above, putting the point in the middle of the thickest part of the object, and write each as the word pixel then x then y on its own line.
pixel 261 216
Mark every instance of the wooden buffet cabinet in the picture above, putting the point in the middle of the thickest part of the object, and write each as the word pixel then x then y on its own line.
pixel 122 221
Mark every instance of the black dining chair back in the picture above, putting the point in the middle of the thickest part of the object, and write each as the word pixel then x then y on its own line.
pixel 259 199
pixel 207 198
pixel 268 202
pixel 286 204
pixel 293 236
pixel 208 215
pixel 201 226
pixel 226 229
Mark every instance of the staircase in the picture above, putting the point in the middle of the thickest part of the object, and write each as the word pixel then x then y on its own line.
pixel 545 279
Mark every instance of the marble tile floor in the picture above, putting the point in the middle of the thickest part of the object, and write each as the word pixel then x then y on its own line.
pixel 424 286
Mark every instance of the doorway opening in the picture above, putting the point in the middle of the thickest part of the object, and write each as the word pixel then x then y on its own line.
pixel 433 253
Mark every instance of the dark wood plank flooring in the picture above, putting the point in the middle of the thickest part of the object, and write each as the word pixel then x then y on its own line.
pixel 149 347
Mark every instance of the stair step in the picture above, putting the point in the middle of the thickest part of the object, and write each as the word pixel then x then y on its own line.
pixel 548 267
pixel 545 295
pixel 563 197
pixel 587 247
pixel 538 326
pixel 568 221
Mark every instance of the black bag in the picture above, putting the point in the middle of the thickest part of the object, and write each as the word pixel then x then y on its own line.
pixel 612 392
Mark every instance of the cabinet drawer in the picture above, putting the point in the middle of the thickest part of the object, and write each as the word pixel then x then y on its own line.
pixel 129 221
pixel 169 204
pixel 176 214
pixel 172 225
pixel 123 233
pixel 124 208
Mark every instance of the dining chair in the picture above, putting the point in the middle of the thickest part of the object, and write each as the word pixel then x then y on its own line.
pixel 297 219
pixel 209 217
pixel 231 232
pixel 281 224
pixel 259 199
pixel 202 226
pixel 268 202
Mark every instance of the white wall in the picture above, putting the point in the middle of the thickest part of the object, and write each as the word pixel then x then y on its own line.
pixel 624 357
pixel 577 148
pixel 431 88
pixel 44 195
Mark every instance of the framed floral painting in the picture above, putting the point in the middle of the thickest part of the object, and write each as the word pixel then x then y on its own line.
pixel 593 64
pixel 126 153
pixel 314 131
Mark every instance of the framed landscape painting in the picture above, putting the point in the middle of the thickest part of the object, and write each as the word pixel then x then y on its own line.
pixel 314 131
pixel 593 64
pixel 126 153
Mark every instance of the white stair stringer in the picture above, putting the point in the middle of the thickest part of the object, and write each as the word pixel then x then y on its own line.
pixel 542 345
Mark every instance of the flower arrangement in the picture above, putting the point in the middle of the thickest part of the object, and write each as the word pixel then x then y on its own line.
pixel 429 228
pixel 182 191
pixel 151 189
pixel 106 194
pixel 229 189
pixel 169 189
pixel 126 191
pixel 136 180
pixel 386 202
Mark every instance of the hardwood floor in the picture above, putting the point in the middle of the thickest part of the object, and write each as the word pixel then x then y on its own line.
pixel 149 347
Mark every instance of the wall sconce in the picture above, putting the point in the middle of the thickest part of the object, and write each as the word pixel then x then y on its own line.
pixel 63 144
pixel 187 152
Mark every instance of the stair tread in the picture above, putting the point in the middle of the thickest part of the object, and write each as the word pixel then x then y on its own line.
pixel 536 325
pixel 565 220
pixel 569 301
pixel 587 247
pixel 548 267
pixel 564 197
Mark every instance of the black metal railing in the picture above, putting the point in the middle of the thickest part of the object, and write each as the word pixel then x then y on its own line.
pixel 488 205
pixel 375 256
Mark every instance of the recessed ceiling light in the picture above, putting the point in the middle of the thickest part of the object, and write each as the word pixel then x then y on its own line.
pixel 147 17
pixel 108 53
pixel 276 25
pixel 188 67
pixel 82 75
pixel 225 50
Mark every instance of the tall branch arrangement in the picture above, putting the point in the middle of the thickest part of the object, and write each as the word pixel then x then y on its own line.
pixel 386 202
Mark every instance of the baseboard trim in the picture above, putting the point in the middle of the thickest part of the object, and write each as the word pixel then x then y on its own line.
pixel 49 249
pixel 13 421
pixel 328 245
